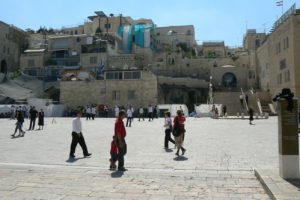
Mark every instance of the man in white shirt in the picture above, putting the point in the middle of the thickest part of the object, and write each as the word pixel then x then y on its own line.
pixel 77 137
pixel 129 117
pixel 141 113
pixel 150 112
pixel 93 112
pixel 117 110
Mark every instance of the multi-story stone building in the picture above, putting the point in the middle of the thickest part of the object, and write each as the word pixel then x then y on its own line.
pixel 278 58
pixel 13 42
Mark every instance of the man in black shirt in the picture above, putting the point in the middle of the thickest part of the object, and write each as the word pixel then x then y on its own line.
pixel 33 114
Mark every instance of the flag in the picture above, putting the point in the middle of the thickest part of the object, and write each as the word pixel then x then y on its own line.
pixel 279 3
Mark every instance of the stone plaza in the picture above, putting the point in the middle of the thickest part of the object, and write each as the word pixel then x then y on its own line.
pixel 221 157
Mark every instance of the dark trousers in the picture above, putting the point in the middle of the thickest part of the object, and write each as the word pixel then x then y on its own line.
pixel 32 123
pixel 141 115
pixel 150 115
pixel 76 138
pixel 128 121
pixel 121 154
pixel 168 138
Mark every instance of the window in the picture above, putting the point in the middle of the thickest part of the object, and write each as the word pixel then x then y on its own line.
pixel 93 60
pixel 114 75
pixel 107 26
pixel 116 95
pixel 279 79
pixel 189 32
pixel 287 76
pixel 282 64
pixel 132 75
pixel 4 49
pixel 286 43
pixel 131 94
pixel 30 63
pixel 76 32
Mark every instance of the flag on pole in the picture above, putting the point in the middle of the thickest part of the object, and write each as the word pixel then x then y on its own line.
pixel 279 3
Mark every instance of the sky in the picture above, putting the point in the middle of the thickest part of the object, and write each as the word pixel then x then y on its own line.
pixel 225 20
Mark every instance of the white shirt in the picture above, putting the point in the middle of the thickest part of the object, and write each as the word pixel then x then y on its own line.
pixel 241 96
pixel 150 109
pixel 141 110
pixel 168 122
pixel 129 112
pixel 88 110
pixel 77 125
pixel 94 111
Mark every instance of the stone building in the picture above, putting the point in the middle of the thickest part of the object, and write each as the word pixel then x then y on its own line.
pixel 13 42
pixel 278 58
pixel 122 87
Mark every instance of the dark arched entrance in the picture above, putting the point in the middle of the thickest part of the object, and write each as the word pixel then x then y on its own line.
pixel 3 68
pixel 229 80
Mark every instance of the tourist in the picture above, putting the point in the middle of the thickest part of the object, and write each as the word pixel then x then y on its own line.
pixel 150 112
pixel 77 137
pixel 33 115
pixel 242 100
pixel 141 113
pixel 251 113
pixel 93 112
pixel 120 133
pixel 117 110
pixel 224 110
pixel 19 124
pixel 168 130
pixel 129 117
pixel 113 154
pixel 179 132
pixel 88 112
pixel 41 119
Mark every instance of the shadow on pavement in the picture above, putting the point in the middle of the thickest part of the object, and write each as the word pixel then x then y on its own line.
pixel 168 150
pixel 117 174
pixel 295 182
pixel 180 158
pixel 72 160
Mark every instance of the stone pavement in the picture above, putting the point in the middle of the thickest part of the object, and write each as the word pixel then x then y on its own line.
pixel 219 162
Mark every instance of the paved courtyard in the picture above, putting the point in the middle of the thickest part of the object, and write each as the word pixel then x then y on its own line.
pixel 219 162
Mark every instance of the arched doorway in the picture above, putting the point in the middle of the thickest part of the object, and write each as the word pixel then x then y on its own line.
pixel 229 80
pixel 3 68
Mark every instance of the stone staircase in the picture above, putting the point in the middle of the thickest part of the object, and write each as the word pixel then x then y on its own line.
pixel 231 100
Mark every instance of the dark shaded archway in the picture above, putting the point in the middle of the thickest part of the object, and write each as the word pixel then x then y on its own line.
pixel 229 80
pixel 3 68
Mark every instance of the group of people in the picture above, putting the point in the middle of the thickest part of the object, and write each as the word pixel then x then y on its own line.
pixel 177 129
pixel 90 112
pixel 33 114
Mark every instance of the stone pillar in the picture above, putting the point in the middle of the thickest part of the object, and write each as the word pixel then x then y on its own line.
pixel 288 140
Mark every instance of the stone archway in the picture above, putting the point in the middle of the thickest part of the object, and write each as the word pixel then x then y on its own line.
pixel 229 80
pixel 3 68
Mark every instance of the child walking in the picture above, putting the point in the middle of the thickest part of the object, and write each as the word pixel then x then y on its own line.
pixel 113 155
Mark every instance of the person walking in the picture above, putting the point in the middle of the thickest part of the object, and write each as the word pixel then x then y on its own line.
pixel 224 109
pixel 117 110
pixel 77 137
pixel 41 119
pixel 93 112
pixel 251 113
pixel 150 112
pixel 19 124
pixel 179 132
pixel 33 115
pixel 242 100
pixel 129 117
pixel 141 113
pixel 168 130
pixel 120 134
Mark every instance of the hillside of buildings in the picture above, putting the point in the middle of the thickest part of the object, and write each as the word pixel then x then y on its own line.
pixel 117 60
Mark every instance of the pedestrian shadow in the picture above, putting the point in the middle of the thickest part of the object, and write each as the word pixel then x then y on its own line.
pixel 168 150
pixel 180 158
pixel 16 137
pixel 117 174
pixel 72 160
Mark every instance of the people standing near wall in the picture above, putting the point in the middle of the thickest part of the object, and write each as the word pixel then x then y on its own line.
pixel 179 132
pixel 77 137
pixel 150 112
pixel 41 120
pixel 33 115
pixel 168 129
pixel 120 133
pixel 141 113
pixel 247 99
pixel 105 109
pixel 19 124
pixel 155 112
pixel 88 112
pixel 129 116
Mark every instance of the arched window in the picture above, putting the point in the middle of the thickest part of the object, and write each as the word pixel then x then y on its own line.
pixel 229 80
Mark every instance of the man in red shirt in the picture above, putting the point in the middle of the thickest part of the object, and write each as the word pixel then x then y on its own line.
pixel 120 133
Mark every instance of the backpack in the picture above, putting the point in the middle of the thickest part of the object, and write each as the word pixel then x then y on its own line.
pixel 176 129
